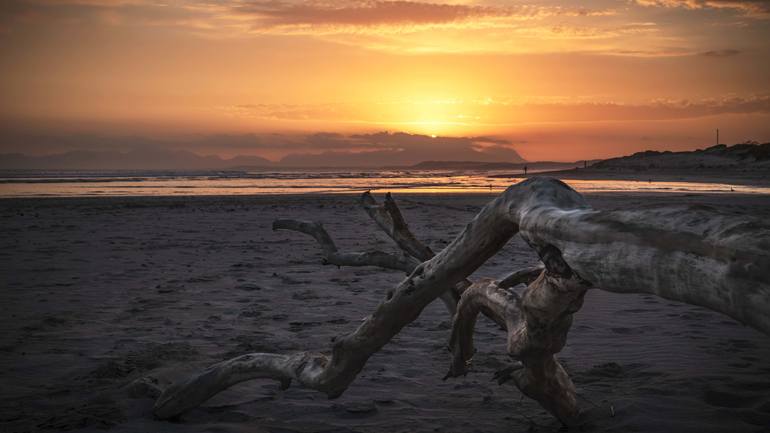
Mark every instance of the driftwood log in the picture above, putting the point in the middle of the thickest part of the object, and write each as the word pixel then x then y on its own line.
pixel 685 253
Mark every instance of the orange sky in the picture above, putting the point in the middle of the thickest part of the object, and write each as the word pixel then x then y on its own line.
pixel 552 79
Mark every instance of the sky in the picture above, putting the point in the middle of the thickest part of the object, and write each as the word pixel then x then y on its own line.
pixel 558 80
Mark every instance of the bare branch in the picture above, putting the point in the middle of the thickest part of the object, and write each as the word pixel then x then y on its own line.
pixel 690 255
pixel 333 256
pixel 481 239
pixel 189 394
pixel 371 258
pixel 388 217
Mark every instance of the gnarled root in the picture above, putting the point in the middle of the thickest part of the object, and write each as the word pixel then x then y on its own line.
pixel 537 323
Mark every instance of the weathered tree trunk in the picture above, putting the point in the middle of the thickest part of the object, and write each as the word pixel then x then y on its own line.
pixel 687 254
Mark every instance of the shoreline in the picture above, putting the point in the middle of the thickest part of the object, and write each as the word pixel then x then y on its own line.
pixel 353 197
pixel 584 183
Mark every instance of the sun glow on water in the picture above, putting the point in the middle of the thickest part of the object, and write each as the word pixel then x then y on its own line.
pixel 336 182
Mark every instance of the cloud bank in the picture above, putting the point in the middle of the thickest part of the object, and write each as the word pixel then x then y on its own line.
pixel 749 8
pixel 398 26
pixel 319 149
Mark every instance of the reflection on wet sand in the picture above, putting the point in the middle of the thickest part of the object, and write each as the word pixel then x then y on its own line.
pixel 324 183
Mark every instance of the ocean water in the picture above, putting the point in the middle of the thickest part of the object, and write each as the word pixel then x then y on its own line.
pixel 27 183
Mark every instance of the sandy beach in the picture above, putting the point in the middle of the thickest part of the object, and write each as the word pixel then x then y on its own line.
pixel 98 294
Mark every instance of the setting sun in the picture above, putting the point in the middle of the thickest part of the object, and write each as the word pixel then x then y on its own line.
pixel 290 216
pixel 560 81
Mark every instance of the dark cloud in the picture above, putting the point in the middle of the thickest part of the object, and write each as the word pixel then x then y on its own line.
pixel 721 53
pixel 407 146
pixel 357 13
pixel 656 52
pixel 324 148
pixel 14 140
pixel 385 148
pixel 283 16
pixel 751 8
pixel 264 14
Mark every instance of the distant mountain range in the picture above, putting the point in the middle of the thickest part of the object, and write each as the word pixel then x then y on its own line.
pixel 744 156
pixel 373 150
pixel 159 159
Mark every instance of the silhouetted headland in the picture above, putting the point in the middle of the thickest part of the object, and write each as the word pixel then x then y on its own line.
pixel 745 163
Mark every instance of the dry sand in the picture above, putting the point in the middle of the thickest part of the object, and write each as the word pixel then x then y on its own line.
pixel 97 293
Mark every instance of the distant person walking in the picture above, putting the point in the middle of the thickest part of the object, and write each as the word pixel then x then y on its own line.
pixel 525 170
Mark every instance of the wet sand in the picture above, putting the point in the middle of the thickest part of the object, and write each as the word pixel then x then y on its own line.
pixel 99 292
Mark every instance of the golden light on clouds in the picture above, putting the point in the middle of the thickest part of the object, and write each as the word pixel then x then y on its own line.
pixel 558 79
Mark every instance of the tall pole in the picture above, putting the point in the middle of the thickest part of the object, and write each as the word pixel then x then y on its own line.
pixel 717 136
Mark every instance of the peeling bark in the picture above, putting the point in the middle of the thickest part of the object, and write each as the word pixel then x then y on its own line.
pixel 686 254
pixel 690 254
